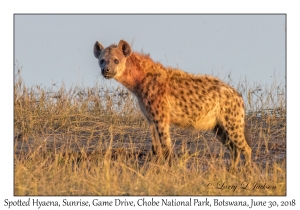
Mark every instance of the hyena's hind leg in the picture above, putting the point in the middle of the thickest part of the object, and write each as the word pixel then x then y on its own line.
pixel 242 144
pixel 237 142
pixel 235 154
pixel 248 150
pixel 223 136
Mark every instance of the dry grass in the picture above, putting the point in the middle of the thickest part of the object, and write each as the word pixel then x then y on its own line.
pixel 94 141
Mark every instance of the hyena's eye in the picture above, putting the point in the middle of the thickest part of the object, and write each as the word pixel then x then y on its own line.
pixel 101 61
pixel 116 61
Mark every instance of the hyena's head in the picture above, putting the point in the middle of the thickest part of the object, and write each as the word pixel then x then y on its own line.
pixel 112 59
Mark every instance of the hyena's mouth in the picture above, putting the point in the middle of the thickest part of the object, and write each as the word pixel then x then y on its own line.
pixel 108 75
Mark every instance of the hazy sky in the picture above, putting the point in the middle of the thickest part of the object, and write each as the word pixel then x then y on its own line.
pixel 56 48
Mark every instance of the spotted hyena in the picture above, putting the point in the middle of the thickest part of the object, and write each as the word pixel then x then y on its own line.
pixel 171 96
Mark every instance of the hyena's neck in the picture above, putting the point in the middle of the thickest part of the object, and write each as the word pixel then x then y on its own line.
pixel 134 72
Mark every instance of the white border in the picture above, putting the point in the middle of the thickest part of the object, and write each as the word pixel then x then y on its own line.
pixel 8 8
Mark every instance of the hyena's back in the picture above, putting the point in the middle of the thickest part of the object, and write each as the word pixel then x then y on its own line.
pixel 202 102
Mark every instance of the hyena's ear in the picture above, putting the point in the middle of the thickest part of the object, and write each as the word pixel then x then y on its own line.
pixel 125 48
pixel 98 49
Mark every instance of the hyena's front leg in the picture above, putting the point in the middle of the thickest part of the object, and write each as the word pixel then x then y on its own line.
pixel 156 147
pixel 163 132
pixel 161 141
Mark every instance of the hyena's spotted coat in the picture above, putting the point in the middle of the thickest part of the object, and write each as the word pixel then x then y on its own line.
pixel 170 96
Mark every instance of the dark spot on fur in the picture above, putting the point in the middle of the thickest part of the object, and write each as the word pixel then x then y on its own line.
pixel 154 79
pixel 149 74
pixel 145 83
pixel 226 118
pixel 161 134
pixel 172 93
pixel 235 136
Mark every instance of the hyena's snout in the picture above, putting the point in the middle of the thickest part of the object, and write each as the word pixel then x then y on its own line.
pixel 107 72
